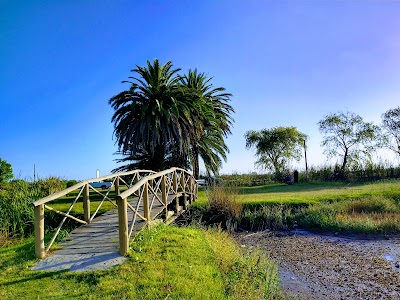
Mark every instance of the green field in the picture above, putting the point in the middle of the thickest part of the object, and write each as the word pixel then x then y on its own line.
pixel 310 193
pixel 329 206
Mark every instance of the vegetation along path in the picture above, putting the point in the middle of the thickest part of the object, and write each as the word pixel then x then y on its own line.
pixel 331 267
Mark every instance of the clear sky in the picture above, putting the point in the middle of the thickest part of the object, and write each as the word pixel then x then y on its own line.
pixel 287 63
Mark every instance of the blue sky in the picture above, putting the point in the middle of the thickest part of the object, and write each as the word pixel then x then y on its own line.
pixel 287 63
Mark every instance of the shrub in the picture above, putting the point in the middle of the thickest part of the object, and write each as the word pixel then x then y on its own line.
pixel 71 182
pixel 50 185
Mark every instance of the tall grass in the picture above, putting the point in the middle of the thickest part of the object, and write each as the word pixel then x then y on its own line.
pixel 16 209
pixel 247 275
pixel 275 217
pixel 252 179
pixel 374 214
pixel 224 207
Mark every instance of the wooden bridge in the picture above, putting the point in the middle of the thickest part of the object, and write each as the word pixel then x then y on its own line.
pixel 148 197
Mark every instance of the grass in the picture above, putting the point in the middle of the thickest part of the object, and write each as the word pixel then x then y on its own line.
pixel 166 262
pixel 311 193
pixel 368 214
pixel 329 206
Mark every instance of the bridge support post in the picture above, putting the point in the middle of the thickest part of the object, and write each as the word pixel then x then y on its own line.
pixel 86 204
pixel 183 190
pixel 123 226
pixel 146 207
pixel 192 191
pixel 39 231
pixel 175 188
pixel 116 184
pixel 164 196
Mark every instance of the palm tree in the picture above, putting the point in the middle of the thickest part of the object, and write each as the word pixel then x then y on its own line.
pixel 211 117
pixel 153 115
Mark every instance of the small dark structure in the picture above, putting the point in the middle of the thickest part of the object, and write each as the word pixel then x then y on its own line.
pixel 295 177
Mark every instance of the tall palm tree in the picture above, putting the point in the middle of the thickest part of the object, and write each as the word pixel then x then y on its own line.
pixel 213 114
pixel 152 115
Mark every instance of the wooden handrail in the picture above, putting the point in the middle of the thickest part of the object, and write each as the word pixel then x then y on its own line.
pixel 84 182
pixel 142 181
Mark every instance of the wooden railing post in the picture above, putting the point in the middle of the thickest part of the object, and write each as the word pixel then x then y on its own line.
pixel 175 188
pixel 116 184
pixel 183 190
pixel 146 202
pixel 164 196
pixel 191 189
pixel 123 226
pixel 39 231
pixel 86 204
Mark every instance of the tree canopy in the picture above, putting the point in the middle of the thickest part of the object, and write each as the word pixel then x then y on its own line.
pixel 165 119
pixel 348 137
pixel 6 172
pixel 212 121
pixel 391 124
pixel 276 147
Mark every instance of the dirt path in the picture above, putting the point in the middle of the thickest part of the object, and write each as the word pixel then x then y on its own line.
pixel 330 267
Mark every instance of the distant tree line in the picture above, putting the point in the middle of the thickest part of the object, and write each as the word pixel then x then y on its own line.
pixel 347 137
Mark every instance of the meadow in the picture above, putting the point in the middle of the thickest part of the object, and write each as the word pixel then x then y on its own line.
pixel 369 207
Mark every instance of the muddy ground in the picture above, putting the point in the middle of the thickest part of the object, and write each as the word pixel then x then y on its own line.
pixel 314 266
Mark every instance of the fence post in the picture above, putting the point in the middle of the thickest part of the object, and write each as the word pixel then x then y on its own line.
pixel 123 226
pixel 116 183
pixel 39 231
pixel 146 202
pixel 191 185
pixel 164 196
pixel 86 203
pixel 183 190
pixel 175 188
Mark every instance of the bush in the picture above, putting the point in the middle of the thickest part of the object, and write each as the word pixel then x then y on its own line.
pixel 50 185
pixel 71 183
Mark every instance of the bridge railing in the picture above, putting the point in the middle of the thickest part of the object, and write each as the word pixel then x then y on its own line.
pixel 173 186
pixel 84 187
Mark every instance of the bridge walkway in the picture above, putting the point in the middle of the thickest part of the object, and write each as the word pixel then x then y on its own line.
pixel 97 245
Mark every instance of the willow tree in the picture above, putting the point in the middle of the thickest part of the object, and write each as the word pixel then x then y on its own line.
pixel 212 116
pixel 276 147
pixel 152 114
pixel 391 124
pixel 349 138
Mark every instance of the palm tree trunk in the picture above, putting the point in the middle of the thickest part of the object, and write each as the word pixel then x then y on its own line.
pixel 158 158
pixel 195 162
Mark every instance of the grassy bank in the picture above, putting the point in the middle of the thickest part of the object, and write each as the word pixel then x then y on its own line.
pixel 334 206
pixel 166 262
